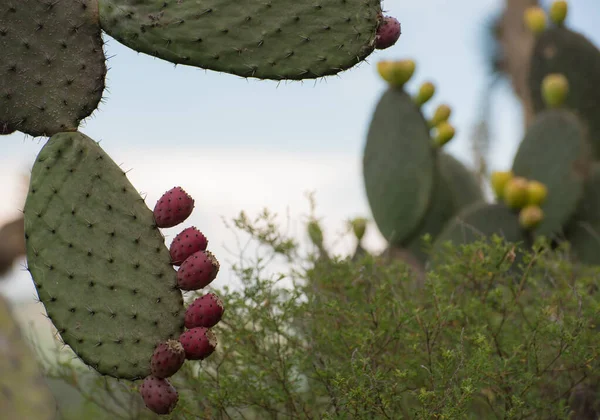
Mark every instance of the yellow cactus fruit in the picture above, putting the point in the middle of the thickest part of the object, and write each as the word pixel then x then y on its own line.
pixel 537 193
pixel 396 73
pixel 426 92
pixel 535 19
pixel 442 113
pixel 558 12
pixel 555 88
pixel 516 192
pixel 444 133
pixel 499 179
pixel 530 217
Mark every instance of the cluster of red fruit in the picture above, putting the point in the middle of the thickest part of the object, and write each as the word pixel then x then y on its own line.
pixel 197 269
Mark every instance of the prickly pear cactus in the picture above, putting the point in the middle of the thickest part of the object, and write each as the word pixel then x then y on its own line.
pixel 398 166
pixel 583 230
pixel 455 188
pixel 98 261
pixel 52 65
pixel 555 152
pixel 480 221
pixel 23 392
pixel 559 50
pixel 253 38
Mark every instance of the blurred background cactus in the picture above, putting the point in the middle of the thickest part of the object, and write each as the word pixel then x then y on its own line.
pixel 417 191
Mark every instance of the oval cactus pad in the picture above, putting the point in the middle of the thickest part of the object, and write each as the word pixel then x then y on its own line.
pixel 98 261
pixel 398 166
pixel 52 65
pixel 555 152
pixel 252 38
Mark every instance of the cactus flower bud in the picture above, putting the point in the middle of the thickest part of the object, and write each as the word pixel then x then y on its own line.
pixel 516 193
pixel 530 217
pixel 444 133
pixel 558 12
pixel 396 73
pixel 535 19
pixel 499 179
pixel 426 92
pixel 441 114
pixel 537 193
pixel 555 88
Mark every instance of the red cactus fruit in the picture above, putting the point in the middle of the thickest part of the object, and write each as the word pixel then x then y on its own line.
pixel 186 243
pixel 167 359
pixel 205 311
pixel 198 343
pixel 197 271
pixel 173 208
pixel 388 33
pixel 159 395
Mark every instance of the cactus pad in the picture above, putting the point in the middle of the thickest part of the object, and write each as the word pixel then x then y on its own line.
pixel 555 152
pixel 23 391
pixel 254 38
pixel 454 189
pixel 480 221
pixel 99 263
pixel 398 166
pixel 559 50
pixel 52 65
pixel 583 230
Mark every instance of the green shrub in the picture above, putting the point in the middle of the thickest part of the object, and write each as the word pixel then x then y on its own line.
pixel 482 338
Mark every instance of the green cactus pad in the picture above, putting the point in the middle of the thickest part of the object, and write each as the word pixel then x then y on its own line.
pixel 254 38
pixel 555 152
pixel 455 188
pixel 559 50
pixel 23 390
pixel 398 166
pixel 583 230
pixel 99 264
pixel 480 221
pixel 52 65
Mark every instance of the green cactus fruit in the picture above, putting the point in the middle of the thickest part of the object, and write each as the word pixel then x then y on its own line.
pixel 396 73
pixel 425 93
pixel 555 89
pixel 99 263
pixel 556 153
pixel 561 51
pixel 516 192
pixel 441 114
pixel 455 188
pixel 255 38
pixel 536 19
pixel 499 179
pixel 23 390
pixel 398 166
pixel 359 227
pixel 444 132
pixel 558 11
pixel 530 216
pixel 52 65
pixel 480 221
pixel 583 230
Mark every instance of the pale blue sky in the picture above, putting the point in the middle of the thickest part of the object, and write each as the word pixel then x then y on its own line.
pixel 243 144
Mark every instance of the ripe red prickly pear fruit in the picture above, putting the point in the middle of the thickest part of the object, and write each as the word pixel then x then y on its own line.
pixel 173 208
pixel 388 33
pixel 205 311
pixel 186 243
pixel 197 271
pixel 198 343
pixel 167 359
pixel 159 395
